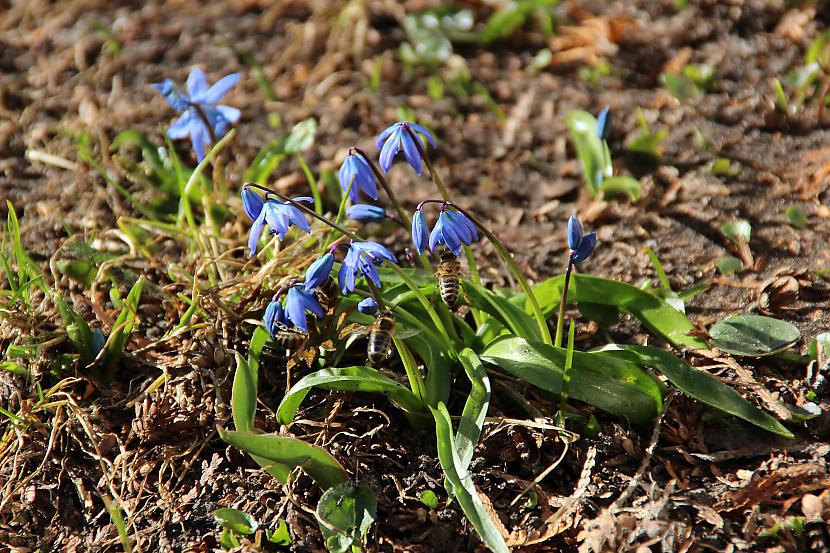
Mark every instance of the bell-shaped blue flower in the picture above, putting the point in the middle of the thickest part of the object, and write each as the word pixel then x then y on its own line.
pixel 200 109
pixel 318 272
pixel 420 231
pixel 297 303
pixel 278 216
pixel 604 123
pixel 453 229
pixel 274 316
pixel 580 244
pixel 396 138
pixel 368 306
pixel 252 202
pixel 356 176
pixel 366 213
pixel 361 260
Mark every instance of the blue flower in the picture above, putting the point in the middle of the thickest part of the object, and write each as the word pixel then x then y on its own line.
pixel 274 316
pixel 360 261
pixel 318 272
pixel 199 105
pixel 420 231
pixel 366 213
pixel 604 123
pixel 297 302
pixel 279 216
pixel 396 138
pixel 581 245
pixel 368 306
pixel 453 229
pixel 252 202
pixel 357 169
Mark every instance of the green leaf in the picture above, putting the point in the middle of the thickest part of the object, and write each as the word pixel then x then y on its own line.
pixel 621 185
pixel 614 385
pixel 753 335
pixel 462 483
pixel 352 379
pixel 258 341
pixel 429 499
pixel 79 270
pixel 78 331
pixel 243 396
pixel 315 461
pixel 797 217
pixel 280 535
pixel 346 513
pixel 228 539
pixel 509 314
pixel 301 137
pixel 737 231
pixel 236 521
pixel 657 315
pixel 475 409
pixel 729 265
pixel 703 387
pixel 121 331
pixel 583 131
pixel 266 161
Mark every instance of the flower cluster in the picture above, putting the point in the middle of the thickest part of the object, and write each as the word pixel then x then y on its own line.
pixel 203 120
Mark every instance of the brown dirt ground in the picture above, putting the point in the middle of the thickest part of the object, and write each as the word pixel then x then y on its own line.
pixel 709 486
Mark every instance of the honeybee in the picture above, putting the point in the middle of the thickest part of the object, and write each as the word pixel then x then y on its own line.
pixel 289 338
pixel 380 338
pixel 328 295
pixel 447 275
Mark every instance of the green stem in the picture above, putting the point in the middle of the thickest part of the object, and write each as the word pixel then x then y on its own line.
pixel 560 319
pixel 566 375
pixel 478 316
pixel 511 265
pixel 315 192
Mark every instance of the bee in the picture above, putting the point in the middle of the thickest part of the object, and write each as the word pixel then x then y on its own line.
pixel 380 338
pixel 328 295
pixel 447 275
pixel 288 338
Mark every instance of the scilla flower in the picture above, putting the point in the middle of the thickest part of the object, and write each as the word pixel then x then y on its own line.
pixel 279 216
pixel 318 272
pixel 356 176
pixel 368 306
pixel 274 316
pixel 200 109
pixel 420 231
pixel 366 213
pixel 297 302
pixel 453 229
pixel 581 245
pixel 360 261
pixel 396 138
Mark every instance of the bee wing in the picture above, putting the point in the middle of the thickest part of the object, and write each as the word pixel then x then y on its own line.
pixel 406 332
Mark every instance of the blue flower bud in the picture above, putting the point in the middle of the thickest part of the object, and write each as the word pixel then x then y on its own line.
pixel 366 213
pixel 318 272
pixel 604 123
pixel 420 231
pixel 252 202
pixel 368 306
pixel 580 244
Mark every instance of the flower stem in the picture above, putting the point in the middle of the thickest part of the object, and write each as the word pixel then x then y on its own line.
pixel 566 376
pixel 560 320
pixel 312 182
pixel 511 265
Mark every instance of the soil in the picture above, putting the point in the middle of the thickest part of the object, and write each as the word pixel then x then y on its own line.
pixel 80 70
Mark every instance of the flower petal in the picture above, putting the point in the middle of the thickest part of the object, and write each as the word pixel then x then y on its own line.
pixel 200 137
pixel 217 90
pixel 411 152
pixel 420 231
pixel 368 306
pixel 575 232
pixel 586 247
pixel 318 272
pixel 255 233
pixel 385 134
pixel 251 202
pixel 390 148
pixel 421 130
pixel 231 115
pixel 196 83
pixel 181 127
